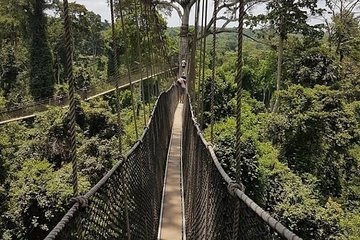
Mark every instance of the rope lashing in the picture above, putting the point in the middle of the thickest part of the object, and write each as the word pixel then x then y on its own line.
pixel 69 62
pixel 233 185
pixel 116 75
pixel 81 200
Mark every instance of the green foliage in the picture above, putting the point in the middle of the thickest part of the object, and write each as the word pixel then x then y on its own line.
pixel 315 134
pixel 35 181
pixel 271 183
pixel 287 17
pixel 309 65
pixel 301 164
pixel 36 198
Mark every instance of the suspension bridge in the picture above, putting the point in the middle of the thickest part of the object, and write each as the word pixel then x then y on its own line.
pixel 170 185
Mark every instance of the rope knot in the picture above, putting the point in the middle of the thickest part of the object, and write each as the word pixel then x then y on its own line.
pixel 82 200
pixel 233 185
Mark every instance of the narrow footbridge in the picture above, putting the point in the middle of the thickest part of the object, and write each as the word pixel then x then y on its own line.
pixel 170 185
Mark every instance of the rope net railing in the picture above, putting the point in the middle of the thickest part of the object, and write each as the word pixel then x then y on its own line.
pixel 215 206
pixel 125 203
pixel 43 104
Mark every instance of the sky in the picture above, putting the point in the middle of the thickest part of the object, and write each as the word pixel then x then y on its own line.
pixel 101 7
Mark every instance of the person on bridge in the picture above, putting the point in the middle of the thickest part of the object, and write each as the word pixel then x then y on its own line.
pixel 181 84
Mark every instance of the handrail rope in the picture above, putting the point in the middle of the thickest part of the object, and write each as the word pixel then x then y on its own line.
pixel 116 68
pixel 236 189
pixel 203 72
pixel 140 58
pixel 69 61
pixel 127 63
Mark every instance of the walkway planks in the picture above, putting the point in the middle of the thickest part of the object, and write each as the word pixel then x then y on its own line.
pixel 171 225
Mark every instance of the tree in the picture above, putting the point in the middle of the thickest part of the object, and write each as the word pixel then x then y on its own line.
pixel 344 28
pixel 183 9
pixel 285 17
pixel 41 72
pixel 9 71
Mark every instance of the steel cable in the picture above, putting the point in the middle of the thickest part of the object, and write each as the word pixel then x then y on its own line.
pixel 116 69
pixel 140 57
pixel 127 63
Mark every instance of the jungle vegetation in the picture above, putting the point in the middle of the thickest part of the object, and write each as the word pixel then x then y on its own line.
pixel 300 128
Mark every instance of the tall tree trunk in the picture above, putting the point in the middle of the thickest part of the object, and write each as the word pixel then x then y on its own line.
pixel 41 71
pixel 184 40
pixel 192 71
pixel 279 71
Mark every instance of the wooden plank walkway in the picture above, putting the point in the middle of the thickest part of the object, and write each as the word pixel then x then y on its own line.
pixel 171 225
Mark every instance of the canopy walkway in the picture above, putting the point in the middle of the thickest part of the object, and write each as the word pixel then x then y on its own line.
pixel 126 202
pixel 30 110
pixel 170 185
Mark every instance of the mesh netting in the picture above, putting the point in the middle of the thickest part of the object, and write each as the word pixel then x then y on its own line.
pixel 125 204
pixel 211 211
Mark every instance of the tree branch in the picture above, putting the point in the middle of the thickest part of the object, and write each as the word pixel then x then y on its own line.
pixel 192 2
pixel 172 5
pixel 234 30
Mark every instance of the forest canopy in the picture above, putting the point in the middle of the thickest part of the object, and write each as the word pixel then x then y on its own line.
pixel 300 157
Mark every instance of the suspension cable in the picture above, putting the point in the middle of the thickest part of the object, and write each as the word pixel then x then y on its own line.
pixel 192 64
pixel 150 52
pixel 155 55
pixel 140 58
pixel 159 43
pixel 200 61
pixel 69 61
pixel 213 73
pixel 238 81
pixel 144 22
pixel 128 66
pixel 203 70
pixel 163 49
pixel 116 75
